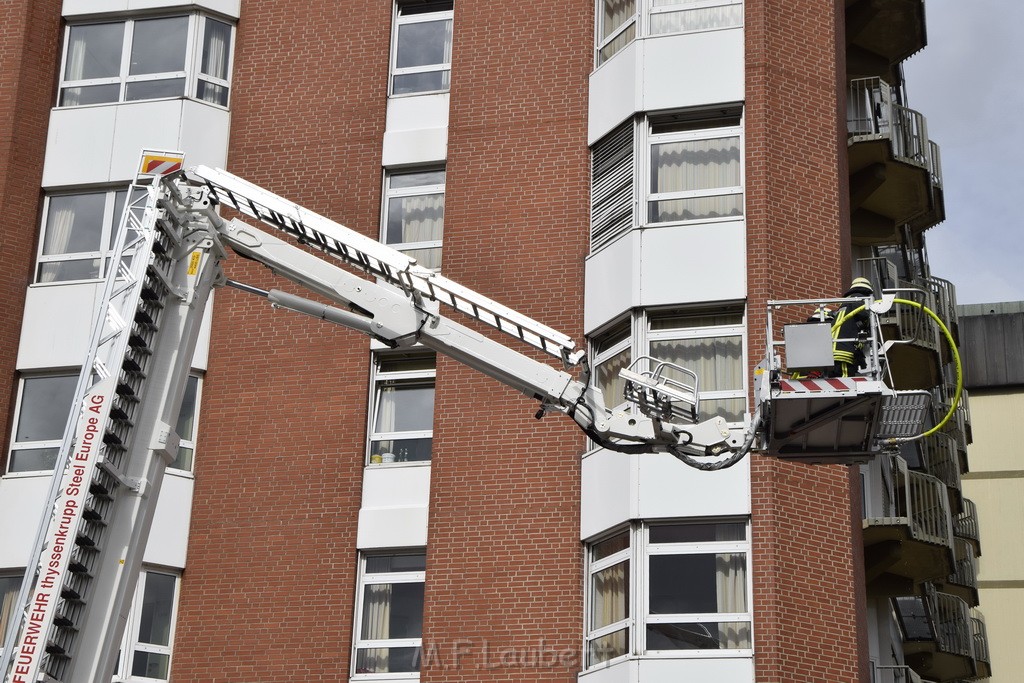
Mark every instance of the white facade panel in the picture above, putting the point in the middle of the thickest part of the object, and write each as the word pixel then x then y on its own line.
pixel 612 281
pixel 394 507
pixel 666 72
pixel 693 263
pixel 617 488
pixel 21 508
pixel 719 670
pixel 614 91
pixel 692 69
pixel 57 324
pixel 83 8
pixel 168 537
pixel 101 144
pixel 670 488
pixel 416 131
pixel 625 671
pixel 609 491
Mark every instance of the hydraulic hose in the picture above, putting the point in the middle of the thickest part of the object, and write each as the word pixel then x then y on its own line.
pixel 956 359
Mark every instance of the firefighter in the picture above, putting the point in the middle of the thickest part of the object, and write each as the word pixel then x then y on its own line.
pixel 848 349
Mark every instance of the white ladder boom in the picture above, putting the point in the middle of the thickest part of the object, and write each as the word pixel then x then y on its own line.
pixel 379 260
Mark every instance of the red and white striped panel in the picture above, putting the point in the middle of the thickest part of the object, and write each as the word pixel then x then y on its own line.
pixel 813 386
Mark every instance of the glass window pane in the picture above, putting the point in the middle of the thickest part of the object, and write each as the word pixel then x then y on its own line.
pixel 614 13
pixel 424 43
pixel 708 635
pixel 157 609
pixel 405 408
pixel 151 665
pixel 33 459
pixel 401 450
pixel 415 219
pixel 392 610
pixel 428 81
pixel 695 165
pixel 183 461
pixel 702 19
pixel 94 51
pixel 687 319
pixel 216 49
pixel 158 46
pixel 698 584
pixel 609 595
pixel 63 271
pixel 620 41
pixel 377 660
pixel 401 181
pixel 384 564
pixel 91 94
pixel 393 363
pixel 717 361
pixel 74 223
pixel 45 405
pixel 187 416
pixel 697 533
pixel 151 90
pixel 9 587
pixel 606 376
pixel 609 546
pixel 607 647
pixel 428 258
pixel 211 92
pixel 696 208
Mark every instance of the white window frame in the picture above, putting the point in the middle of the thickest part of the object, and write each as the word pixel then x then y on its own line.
pixel 704 548
pixel 369 579
pixel 707 133
pixel 638 555
pixel 641 335
pixel 642 20
pixel 110 223
pixel 190 73
pixel 399 20
pixel 380 378
pixel 27 445
pixel 629 622
pixel 130 642
pixel 391 193
pixel 188 441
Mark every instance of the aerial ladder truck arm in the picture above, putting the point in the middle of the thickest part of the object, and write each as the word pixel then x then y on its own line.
pixel 83 568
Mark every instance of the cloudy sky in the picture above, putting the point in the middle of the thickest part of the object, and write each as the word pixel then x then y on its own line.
pixel 969 84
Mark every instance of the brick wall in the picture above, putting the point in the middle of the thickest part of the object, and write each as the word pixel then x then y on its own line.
pixel 808 574
pixel 268 592
pixel 504 575
pixel 29 43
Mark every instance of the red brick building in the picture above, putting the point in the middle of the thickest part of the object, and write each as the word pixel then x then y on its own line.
pixel 642 175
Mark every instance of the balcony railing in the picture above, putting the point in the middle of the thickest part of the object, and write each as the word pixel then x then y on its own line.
pixel 938 635
pixel 966 525
pixel 917 500
pixel 939 459
pixel 872 115
pixel 980 637
pixel 895 674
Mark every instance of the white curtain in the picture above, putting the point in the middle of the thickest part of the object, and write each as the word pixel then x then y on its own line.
pixel 610 604
pixel 614 14
pixel 696 165
pixel 695 19
pixel 717 361
pixel 59 226
pixel 9 587
pixel 446 76
pixel 376 626
pixel 731 584
pixel 75 69
pixel 608 380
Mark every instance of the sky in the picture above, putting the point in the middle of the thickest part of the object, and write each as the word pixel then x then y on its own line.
pixel 969 85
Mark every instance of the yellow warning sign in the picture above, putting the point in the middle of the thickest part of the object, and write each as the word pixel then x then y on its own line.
pixel 193 263
pixel 160 163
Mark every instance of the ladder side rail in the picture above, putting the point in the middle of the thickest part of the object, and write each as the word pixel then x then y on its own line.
pixel 378 259
pixel 122 286
pixel 154 447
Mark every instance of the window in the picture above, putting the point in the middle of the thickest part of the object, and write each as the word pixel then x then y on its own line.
pixel 617 20
pixel 186 427
pixel 144 59
pixel 44 403
pixel 695 170
pixel 79 233
pixel 421 47
pixel 389 613
pixel 693 592
pixel 10 585
pixel 709 343
pixel 692 171
pixel 149 634
pixel 413 220
pixel 402 421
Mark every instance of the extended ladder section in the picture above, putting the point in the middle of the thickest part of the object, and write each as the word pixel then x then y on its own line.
pixel 78 587
pixel 379 260
pixel 814 416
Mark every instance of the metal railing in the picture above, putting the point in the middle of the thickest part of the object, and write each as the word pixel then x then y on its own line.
pixel 966 523
pixel 872 115
pixel 939 618
pixel 917 500
pixel 895 673
pixel 965 571
pixel 980 637
pixel 939 459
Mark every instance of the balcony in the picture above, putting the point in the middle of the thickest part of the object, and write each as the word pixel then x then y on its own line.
pixel 899 673
pixel 938 635
pixel 965 525
pixel 983 661
pixel 937 455
pixel 882 33
pixel 895 175
pixel 963 582
pixel 912 541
